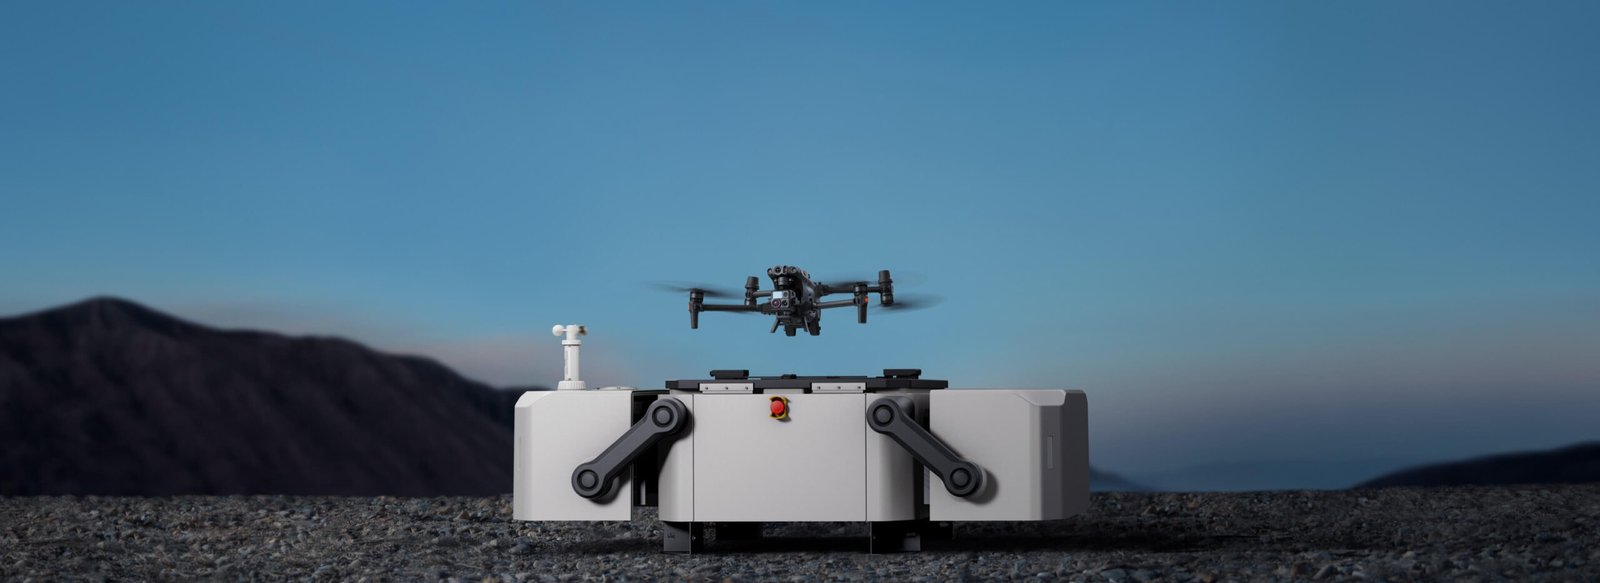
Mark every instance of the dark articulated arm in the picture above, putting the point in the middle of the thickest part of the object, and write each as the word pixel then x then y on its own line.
pixel 597 478
pixel 894 417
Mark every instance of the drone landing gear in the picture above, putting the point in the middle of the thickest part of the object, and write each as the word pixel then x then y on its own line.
pixel 812 327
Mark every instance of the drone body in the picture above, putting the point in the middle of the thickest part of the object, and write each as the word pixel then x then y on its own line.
pixel 795 301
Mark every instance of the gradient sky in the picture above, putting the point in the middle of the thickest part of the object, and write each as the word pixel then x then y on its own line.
pixel 1251 231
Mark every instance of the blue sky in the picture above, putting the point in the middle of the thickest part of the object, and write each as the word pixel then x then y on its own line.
pixel 1250 231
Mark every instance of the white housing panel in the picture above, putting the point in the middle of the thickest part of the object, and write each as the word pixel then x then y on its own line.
pixel 821 464
pixel 750 467
pixel 675 488
pixel 741 465
pixel 1033 444
pixel 556 431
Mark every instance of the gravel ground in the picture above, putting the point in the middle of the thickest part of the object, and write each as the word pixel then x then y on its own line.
pixel 1399 534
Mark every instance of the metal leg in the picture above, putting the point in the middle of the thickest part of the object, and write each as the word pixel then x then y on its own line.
pixel 682 537
pixel 738 531
pixel 900 536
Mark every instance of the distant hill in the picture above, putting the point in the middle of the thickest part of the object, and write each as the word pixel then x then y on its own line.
pixel 1108 482
pixel 1271 475
pixel 110 397
pixel 1568 465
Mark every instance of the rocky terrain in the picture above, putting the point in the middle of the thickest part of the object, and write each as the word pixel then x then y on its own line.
pixel 1395 534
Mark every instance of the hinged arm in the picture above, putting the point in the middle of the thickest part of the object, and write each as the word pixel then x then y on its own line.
pixel 895 417
pixel 597 478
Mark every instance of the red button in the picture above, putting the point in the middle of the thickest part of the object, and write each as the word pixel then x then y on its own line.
pixel 777 407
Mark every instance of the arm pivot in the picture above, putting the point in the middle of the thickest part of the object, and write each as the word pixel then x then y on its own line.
pixel 597 478
pixel 894 417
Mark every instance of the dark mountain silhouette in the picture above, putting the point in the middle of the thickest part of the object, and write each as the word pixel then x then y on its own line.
pixel 1108 482
pixel 110 397
pixel 1269 475
pixel 1569 465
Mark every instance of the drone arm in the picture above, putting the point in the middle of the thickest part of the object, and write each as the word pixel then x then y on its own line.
pixel 697 305
pixel 860 303
pixel 824 290
pixel 729 308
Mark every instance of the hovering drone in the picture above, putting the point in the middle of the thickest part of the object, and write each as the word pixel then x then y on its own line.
pixel 795 300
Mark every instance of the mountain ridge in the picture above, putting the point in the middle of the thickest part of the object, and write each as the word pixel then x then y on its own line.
pixel 112 397
pixel 1571 464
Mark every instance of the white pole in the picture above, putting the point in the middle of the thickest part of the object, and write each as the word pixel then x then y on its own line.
pixel 570 345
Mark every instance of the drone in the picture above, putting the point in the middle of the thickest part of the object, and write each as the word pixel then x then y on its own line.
pixel 796 301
